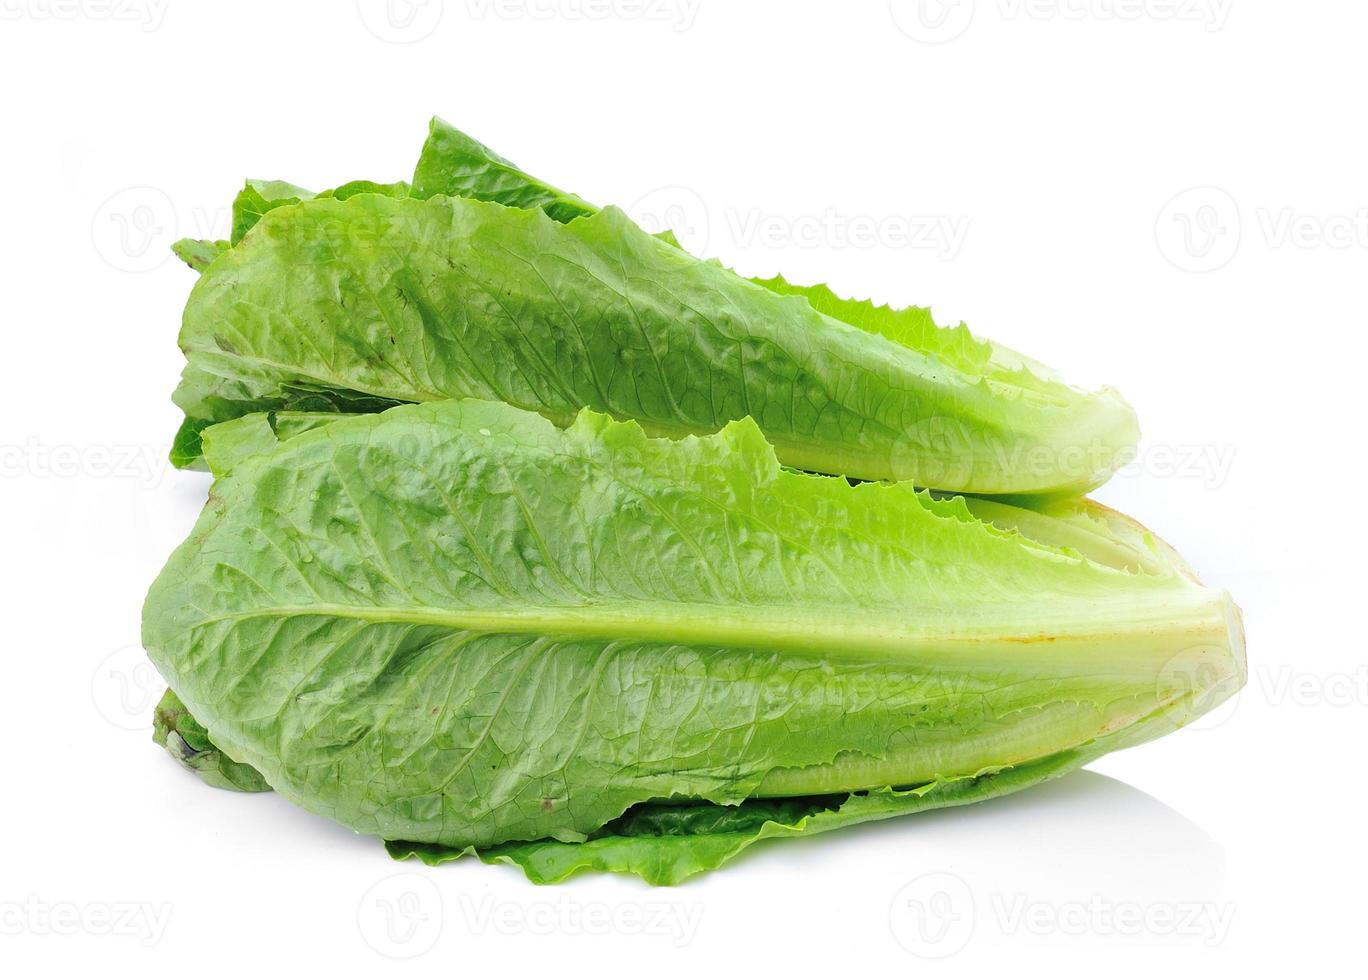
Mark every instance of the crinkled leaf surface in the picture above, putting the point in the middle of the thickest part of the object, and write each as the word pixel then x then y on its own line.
pixel 258 197
pixel 398 299
pixel 459 625
pixel 664 844
pixel 456 165
pixel 955 412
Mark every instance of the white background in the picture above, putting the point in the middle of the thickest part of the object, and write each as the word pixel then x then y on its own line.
pixel 1164 196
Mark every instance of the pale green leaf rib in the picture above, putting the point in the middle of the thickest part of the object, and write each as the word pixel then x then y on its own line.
pixel 1085 527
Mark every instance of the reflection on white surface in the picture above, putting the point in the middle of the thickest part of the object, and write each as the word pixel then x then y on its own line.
pixel 1087 857
pixel 1083 832
pixel 1086 860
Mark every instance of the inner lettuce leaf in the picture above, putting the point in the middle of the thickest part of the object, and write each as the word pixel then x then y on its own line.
pixel 932 404
pixel 458 627
pixel 1075 525
pixel 177 731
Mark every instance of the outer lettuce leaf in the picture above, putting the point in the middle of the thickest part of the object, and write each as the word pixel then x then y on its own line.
pixel 454 164
pixel 458 625
pixel 665 844
pixel 197 253
pixel 1076 525
pixel 914 327
pixel 451 164
pixel 259 197
pixel 222 398
pixel 410 301
pixel 228 443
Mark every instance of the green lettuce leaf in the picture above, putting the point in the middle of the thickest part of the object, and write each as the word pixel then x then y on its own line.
pixel 222 399
pixel 456 165
pixel 177 731
pixel 969 456
pixel 666 844
pixel 259 197
pixel 405 300
pixel 198 253
pixel 459 626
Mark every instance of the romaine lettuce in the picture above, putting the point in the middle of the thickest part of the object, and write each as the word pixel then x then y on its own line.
pixel 460 628
pixel 382 300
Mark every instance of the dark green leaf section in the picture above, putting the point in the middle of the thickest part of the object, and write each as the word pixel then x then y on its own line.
pixel 455 165
pixel 177 731
pixel 187 448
